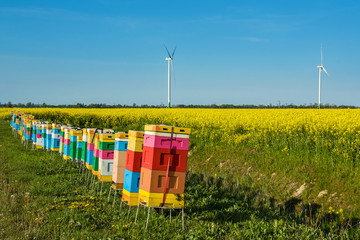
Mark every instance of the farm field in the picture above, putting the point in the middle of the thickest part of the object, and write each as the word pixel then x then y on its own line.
pixel 252 173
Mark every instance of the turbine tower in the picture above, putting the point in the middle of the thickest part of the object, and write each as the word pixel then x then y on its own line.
pixel 321 67
pixel 170 62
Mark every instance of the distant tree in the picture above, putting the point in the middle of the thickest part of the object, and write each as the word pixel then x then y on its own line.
pixel 9 105
pixel 80 105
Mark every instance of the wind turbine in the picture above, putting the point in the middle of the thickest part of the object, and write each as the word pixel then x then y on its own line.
pixel 170 61
pixel 321 67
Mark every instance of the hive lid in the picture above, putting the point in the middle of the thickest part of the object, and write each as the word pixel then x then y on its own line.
pixel 137 134
pixel 166 128
pixel 121 135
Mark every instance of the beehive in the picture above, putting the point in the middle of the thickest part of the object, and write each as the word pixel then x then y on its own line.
pixel 90 147
pixel 95 163
pixel 106 155
pixel 44 139
pixel 79 145
pixel 48 136
pixel 120 152
pixel 163 168
pixel 38 135
pixel 132 167
pixel 84 146
pixel 74 134
pixel 66 154
pixel 34 132
pixel 55 138
pixel 61 146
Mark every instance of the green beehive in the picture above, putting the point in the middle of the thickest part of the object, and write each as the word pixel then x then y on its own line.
pixel 84 146
pixel 78 148
pixel 74 133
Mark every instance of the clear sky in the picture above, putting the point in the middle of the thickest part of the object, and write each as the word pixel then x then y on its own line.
pixel 235 52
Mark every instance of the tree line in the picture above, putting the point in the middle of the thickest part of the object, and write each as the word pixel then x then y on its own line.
pixel 134 105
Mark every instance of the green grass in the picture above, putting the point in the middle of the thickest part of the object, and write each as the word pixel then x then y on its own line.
pixel 44 197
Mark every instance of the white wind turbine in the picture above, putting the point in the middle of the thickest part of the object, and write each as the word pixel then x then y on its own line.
pixel 321 67
pixel 170 61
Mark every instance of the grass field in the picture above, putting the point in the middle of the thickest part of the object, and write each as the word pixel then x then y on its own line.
pixel 266 185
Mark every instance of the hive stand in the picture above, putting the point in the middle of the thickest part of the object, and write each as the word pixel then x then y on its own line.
pixel 121 203
pixel 162 208
pixel 115 191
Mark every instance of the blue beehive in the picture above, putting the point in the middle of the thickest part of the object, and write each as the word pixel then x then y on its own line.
pixel 48 137
pixel 44 135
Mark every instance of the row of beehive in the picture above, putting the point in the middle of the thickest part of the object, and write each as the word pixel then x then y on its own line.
pixel 149 166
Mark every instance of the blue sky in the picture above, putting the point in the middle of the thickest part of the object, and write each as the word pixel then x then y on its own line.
pixel 235 52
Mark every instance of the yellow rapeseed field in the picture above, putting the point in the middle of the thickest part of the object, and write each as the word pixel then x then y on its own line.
pixel 333 130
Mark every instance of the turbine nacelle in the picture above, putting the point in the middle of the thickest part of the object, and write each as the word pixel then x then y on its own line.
pixel 168 59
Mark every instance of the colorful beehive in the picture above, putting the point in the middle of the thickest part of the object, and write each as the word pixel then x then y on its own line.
pixel 106 155
pixel 61 147
pixel 132 168
pixel 120 152
pixel 27 128
pixel 79 145
pixel 164 163
pixel 17 116
pixel 84 146
pixel 39 135
pixel 95 164
pixel 55 138
pixel 74 134
pixel 90 147
pixel 48 136
pixel 34 132
pixel 66 153
pixel 44 127
pixel 22 127
pixel 18 124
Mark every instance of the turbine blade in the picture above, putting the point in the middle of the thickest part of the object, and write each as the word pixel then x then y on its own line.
pixel 321 54
pixel 167 51
pixel 325 71
pixel 173 53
